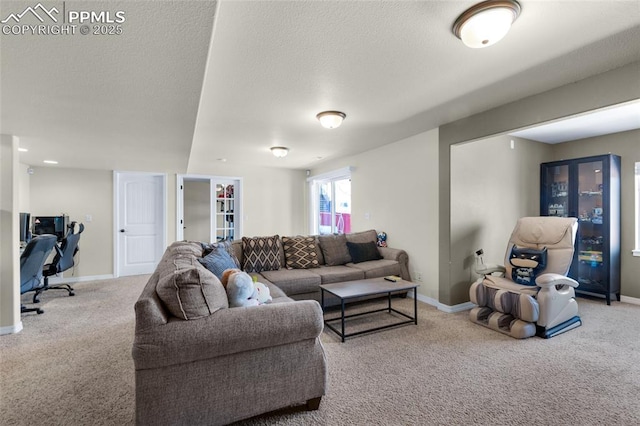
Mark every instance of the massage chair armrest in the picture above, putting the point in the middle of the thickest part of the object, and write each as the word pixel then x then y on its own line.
pixel 489 268
pixel 551 280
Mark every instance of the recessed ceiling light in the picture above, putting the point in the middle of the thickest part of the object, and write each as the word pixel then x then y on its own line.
pixel 50 162
pixel 222 160
pixel 23 149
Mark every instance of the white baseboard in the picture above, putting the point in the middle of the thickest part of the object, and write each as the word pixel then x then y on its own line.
pixel 71 280
pixel 630 300
pixel 455 308
pixel 11 329
pixel 441 306
pixel 424 299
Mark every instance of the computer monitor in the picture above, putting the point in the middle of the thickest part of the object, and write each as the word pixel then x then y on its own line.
pixel 25 225
pixel 55 225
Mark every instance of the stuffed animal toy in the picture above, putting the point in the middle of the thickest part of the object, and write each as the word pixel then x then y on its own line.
pixel 240 290
pixel 262 292
pixel 382 239
pixel 226 274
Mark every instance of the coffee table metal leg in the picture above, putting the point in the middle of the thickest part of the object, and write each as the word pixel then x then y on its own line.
pixel 342 319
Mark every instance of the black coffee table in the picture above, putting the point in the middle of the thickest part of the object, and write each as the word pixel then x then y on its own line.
pixel 374 286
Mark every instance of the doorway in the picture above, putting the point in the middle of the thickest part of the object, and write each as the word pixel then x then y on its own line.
pixel 209 208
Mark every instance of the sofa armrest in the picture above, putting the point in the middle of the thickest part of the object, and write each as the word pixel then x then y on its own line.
pixel 225 332
pixel 400 256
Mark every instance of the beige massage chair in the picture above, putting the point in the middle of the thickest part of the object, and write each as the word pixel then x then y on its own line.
pixel 531 294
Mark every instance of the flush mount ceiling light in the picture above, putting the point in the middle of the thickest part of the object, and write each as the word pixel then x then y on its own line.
pixel 486 23
pixel 279 151
pixel 331 119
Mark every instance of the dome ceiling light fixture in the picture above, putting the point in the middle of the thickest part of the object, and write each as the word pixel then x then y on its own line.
pixel 331 119
pixel 279 151
pixel 486 23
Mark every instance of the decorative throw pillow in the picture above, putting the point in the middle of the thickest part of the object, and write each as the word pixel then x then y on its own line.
pixel 226 244
pixel 218 261
pixel 334 249
pixel 527 264
pixel 261 253
pixel 300 252
pixel 188 290
pixel 362 252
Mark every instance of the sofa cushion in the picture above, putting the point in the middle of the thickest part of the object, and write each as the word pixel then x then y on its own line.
pixel 339 273
pixel 188 289
pixel 378 268
pixel 294 281
pixel 227 245
pixel 217 261
pixel 362 252
pixel 261 253
pixel 363 237
pixel 300 252
pixel 334 249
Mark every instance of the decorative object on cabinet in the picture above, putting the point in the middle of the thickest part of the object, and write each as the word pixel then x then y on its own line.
pixel 589 189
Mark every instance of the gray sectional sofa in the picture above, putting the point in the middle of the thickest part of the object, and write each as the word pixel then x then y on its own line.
pixel 199 362
pixel 303 284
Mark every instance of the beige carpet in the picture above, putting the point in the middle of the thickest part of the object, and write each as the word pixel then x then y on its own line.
pixel 72 366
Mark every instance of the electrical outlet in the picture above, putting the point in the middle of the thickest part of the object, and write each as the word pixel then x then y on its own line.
pixel 418 276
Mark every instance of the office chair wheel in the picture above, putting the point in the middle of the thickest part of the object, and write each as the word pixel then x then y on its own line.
pixel 39 311
pixel 71 293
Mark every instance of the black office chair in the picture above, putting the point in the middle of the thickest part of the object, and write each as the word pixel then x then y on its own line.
pixel 63 260
pixel 31 263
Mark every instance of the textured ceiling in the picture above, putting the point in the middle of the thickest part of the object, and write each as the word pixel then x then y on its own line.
pixel 126 102
pixel 177 91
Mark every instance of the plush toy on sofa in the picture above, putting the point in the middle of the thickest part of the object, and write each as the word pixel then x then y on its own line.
pixel 240 290
pixel 262 291
pixel 382 239
pixel 226 274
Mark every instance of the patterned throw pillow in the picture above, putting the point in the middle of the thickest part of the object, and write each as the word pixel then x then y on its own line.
pixel 227 245
pixel 300 252
pixel 261 254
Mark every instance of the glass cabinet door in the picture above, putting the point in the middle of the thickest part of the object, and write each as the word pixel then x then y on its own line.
pixel 558 191
pixel 590 237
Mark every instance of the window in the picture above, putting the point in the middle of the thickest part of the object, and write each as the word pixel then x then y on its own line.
pixel 636 252
pixel 331 202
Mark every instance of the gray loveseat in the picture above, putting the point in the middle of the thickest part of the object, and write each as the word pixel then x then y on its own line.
pixel 199 362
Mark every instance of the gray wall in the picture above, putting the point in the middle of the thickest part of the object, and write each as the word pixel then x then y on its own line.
pixel 492 186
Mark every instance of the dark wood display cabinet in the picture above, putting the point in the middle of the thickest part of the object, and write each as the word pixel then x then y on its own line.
pixel 588 189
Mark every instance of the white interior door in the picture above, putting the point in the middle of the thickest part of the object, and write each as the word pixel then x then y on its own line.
pixel 140 222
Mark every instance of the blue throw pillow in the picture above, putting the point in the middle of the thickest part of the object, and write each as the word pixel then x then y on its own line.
pixel 217 262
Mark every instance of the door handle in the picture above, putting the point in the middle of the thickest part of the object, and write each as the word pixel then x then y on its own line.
pixel 122 230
